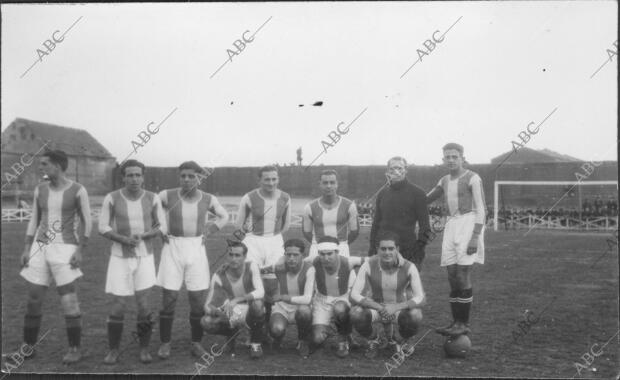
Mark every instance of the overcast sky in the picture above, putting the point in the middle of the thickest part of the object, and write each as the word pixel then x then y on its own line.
pixel 500 67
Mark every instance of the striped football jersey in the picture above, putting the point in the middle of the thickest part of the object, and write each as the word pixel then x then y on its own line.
pixel 336 284
pixel 187 219
pixel 55 213
pixel 131 217
pixel 464 194
pixel 388 287
pixel 335 222
pixel 264 217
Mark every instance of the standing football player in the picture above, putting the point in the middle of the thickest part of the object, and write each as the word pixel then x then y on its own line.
pixel 265 213
pixel 58 252
pixel 389 302
pixel 131 217
pixel 330 215
pixel 292 301
pixel 235 300
pixel 184 255
pixel 463 236
pixel 400 206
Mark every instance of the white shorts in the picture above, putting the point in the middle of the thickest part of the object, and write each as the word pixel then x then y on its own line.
pixel 237 317
pixel 456 237
pixel 323 308
pixel 184 259
pixel 285 309
pixel 343 250
pixel 264 250
pixel 127 275
pixel 51 261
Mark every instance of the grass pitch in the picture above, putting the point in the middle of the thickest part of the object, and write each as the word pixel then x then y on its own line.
pixel 555 275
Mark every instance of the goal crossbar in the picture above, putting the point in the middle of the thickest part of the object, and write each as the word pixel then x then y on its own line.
pixel 538 183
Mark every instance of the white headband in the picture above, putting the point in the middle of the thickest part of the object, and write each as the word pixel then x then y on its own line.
pixel 327 246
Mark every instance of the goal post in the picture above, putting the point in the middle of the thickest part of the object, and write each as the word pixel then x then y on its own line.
pixel 572 184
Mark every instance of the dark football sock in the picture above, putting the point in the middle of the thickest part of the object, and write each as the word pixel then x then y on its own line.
pixel 32 324
pixel 256 323
pixel 194 323
pixel 115 331
pixel 145 329
pixel 453 304
pixel 343 324
pixel 267 312
pixel 465 300
pixel 165 326
pixel 74 329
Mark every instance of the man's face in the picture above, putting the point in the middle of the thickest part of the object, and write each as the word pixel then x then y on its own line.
pixel 328 184
pixel 189 179
pixel 396 171
pixel 236 258
pixel 133 178
pixel 328 258
pixel 452 159
pixel 293 258
pixel 269 181
pixel 48 168
pixel 388 251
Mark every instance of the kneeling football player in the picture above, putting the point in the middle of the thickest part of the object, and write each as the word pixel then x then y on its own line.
pixel 334 276
pixel 292 299
pixel 389 278
pixel 235 299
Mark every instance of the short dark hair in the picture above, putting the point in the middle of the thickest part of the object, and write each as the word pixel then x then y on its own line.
pixel 328 172
pixel 266 168
pixel 328 239
pixel 131 163
pixel 192 165
pixel 295 243
pixel 455 146
pixel 233 244
pixel 57 157
pixel 398 158
pixel 388 235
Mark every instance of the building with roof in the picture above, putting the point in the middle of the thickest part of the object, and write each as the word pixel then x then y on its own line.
pixel 527 155
pixel 90 163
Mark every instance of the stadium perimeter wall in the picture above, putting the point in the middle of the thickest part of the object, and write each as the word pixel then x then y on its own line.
pixel 362 182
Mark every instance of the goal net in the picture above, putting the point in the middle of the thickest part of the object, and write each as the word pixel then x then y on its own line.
pixel 576 205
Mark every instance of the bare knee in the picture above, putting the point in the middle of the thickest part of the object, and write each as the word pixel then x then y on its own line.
pixel 257 308
pixel 196 301
pixel 341 310
pixel 358 315
pixel 118 307
pixel 409 322
pixel 303 315
pixel 319 335
pixel 277 328
pixel 142 303
pixel 169 300
pixel 70 304
pixel 209 324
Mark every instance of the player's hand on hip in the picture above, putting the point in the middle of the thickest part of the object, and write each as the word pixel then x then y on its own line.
pixel 473 245
pixel 165 238
pixel 76 258
pixel 25 257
